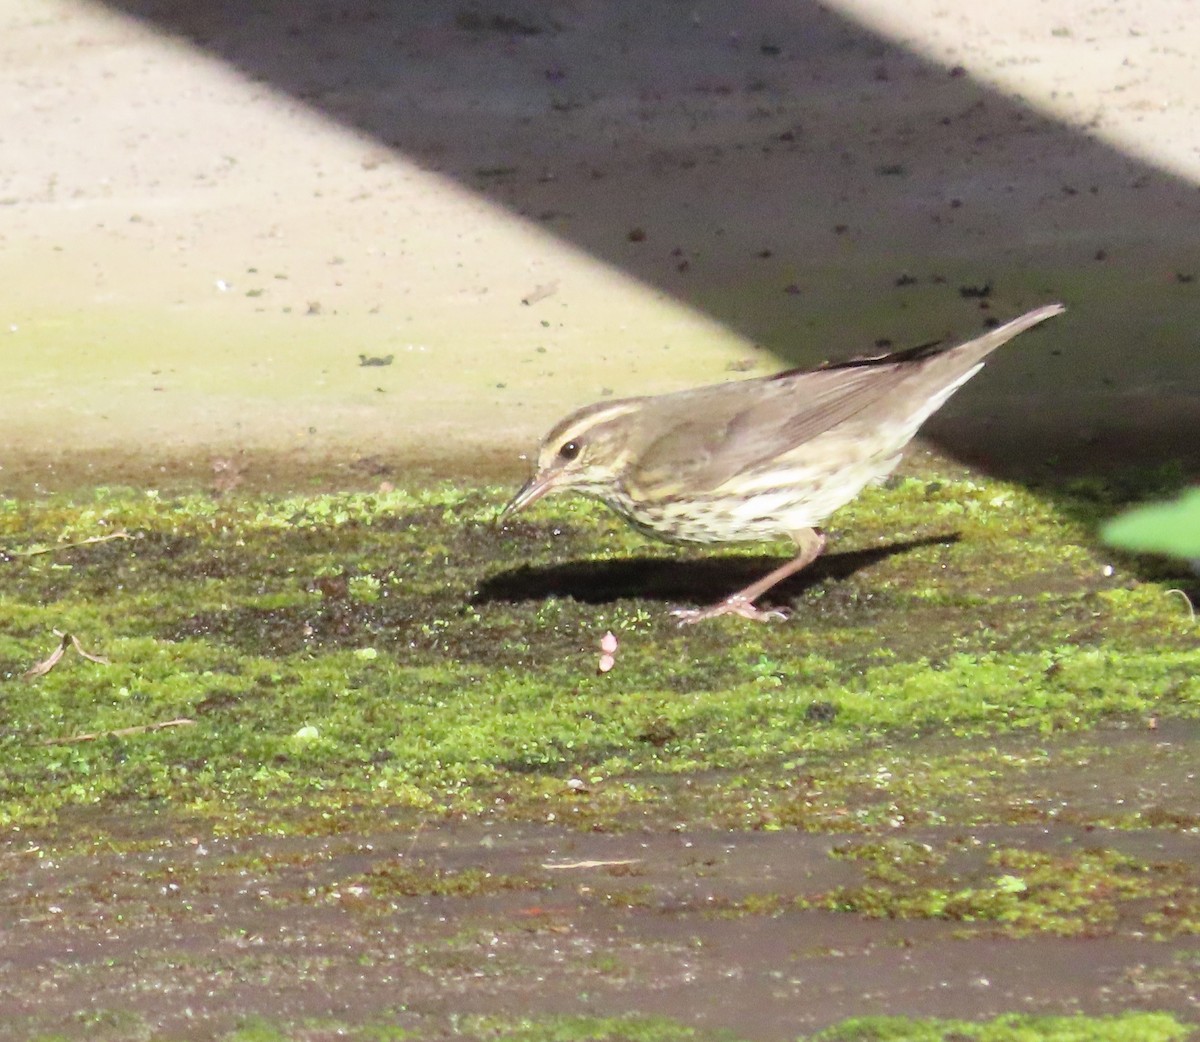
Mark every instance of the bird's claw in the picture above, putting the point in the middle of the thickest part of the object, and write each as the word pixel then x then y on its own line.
pixel 730 606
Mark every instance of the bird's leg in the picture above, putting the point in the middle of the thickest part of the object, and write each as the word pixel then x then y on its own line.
pixel 809 544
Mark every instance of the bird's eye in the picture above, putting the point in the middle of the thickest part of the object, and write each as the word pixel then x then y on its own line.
pixel 569 450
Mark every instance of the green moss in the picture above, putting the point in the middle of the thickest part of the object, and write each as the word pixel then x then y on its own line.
pixel 1126 1027
pixel 1013 891
pixel 342 654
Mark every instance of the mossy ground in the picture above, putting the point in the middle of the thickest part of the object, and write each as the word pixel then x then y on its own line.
pixel 965 658
pixel 1134 1027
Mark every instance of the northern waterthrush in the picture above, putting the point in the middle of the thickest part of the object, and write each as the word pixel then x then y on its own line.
pixel 756 459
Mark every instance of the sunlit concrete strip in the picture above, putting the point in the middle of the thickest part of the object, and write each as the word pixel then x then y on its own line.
pixel 1126 73
pixel 192 261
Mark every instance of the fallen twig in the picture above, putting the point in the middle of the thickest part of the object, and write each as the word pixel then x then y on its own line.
pixel 68 640
pixel 120 732
pixel 567 865
pixel 122 534
pixel 1186 600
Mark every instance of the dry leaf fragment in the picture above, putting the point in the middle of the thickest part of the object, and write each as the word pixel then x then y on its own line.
pixel 66 640
pixel 47 664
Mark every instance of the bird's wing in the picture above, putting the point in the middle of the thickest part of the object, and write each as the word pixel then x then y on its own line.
pixel 710 436
pixel 733 426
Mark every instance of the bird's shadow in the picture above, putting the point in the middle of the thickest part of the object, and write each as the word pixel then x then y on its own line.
pixel 690 580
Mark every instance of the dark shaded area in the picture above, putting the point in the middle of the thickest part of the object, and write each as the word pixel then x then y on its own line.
pixel 688 581
pixel 335 618
pixel 808 183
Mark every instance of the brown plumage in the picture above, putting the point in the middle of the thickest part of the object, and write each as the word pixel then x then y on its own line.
pixel 756 459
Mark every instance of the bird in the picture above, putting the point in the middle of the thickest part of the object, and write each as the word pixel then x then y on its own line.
pixel 761 459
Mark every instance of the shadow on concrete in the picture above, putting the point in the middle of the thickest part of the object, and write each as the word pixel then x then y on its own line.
pixel 801 179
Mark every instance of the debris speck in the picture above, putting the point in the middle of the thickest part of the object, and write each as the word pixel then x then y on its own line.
pixel 540 292
pixel 608 652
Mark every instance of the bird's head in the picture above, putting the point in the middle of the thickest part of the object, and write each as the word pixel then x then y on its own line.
pixel 585 452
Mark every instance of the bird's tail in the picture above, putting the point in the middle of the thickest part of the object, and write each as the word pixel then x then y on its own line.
pixel 927 386
pixel 966 356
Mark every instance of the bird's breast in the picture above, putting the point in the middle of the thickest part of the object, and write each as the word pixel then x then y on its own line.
pixel 711 518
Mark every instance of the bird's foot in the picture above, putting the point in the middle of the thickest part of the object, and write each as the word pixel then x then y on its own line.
pixel 734 605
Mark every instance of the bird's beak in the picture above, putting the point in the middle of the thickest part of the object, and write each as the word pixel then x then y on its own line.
pixel 533 490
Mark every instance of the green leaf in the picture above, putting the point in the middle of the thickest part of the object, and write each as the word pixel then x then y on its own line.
pixel 1162 528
